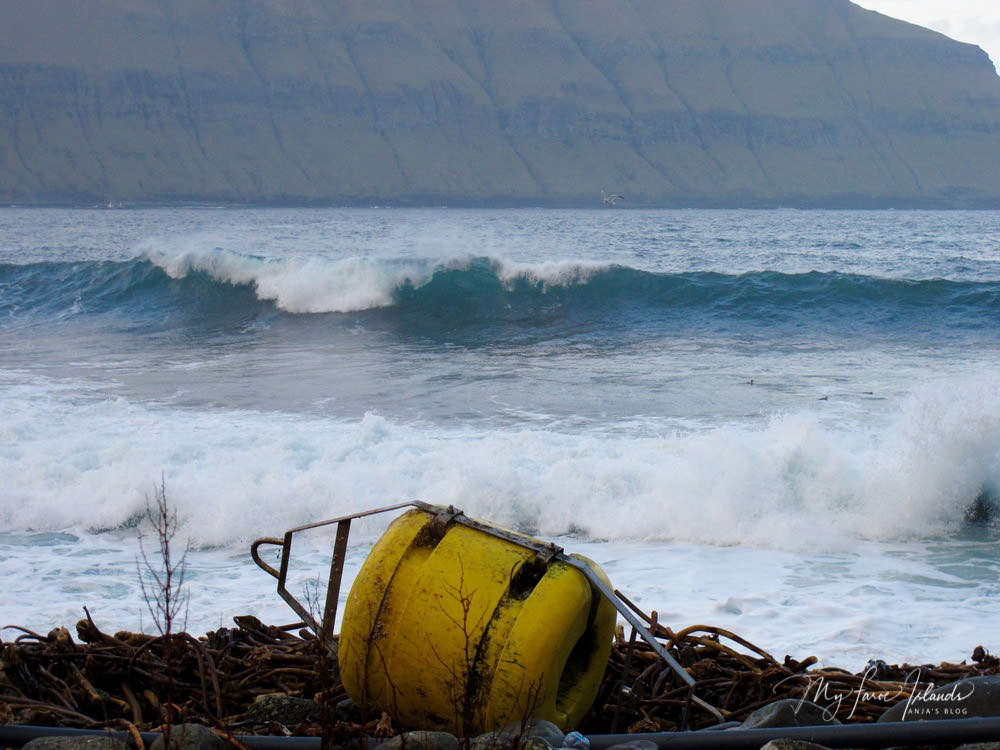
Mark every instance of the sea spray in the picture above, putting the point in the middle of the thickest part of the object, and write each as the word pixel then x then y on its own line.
pixel 793 482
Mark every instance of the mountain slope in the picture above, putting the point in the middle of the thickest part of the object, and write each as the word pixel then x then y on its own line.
pixel 671 102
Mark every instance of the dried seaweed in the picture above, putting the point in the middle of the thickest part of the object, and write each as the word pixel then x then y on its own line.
pixel 119 681
pixel 641 694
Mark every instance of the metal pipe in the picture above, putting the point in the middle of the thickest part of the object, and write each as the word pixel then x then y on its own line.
pixel 878 734
pixel 12 735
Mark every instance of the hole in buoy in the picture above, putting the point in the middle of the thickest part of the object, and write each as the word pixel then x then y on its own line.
pixel 576 666
pixel 524 580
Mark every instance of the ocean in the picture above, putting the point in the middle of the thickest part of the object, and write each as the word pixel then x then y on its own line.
pixel 770 421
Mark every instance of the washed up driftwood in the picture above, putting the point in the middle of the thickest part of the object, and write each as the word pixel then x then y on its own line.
pixel 140 682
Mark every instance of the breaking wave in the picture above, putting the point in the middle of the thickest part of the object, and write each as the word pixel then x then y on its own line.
pixel 792 482
pixel 203 288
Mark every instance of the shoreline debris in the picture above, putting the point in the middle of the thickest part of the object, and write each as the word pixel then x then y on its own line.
pixel 118 681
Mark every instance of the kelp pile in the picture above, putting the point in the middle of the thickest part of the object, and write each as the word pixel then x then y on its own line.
pixel 132 680
pixel 140 682
pixel 641 694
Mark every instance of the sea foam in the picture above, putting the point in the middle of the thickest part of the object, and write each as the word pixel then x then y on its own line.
pixel 796 481
pixel 317 284
pixel 299 285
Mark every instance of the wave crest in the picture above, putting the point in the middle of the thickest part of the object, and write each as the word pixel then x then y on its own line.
pixel 468 290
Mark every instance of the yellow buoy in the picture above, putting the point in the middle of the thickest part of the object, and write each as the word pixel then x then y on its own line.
pixel 451 627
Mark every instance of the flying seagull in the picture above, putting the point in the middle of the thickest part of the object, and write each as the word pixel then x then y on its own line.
pixel 610 200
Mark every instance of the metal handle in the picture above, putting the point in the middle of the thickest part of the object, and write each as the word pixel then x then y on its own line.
pixel 256 556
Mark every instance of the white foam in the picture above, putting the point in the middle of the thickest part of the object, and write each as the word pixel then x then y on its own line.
pixel 315 284
pixel 82 460
pixel 299 284
pixel 549 274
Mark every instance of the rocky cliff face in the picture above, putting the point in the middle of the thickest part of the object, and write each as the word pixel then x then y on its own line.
pixel 670 102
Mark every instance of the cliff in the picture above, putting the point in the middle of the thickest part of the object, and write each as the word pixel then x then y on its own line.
pixel 669 102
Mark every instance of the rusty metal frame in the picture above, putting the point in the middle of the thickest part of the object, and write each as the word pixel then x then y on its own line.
pixel 545 552
pixel 324 628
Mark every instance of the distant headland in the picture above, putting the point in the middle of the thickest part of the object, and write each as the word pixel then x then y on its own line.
pixel 806 103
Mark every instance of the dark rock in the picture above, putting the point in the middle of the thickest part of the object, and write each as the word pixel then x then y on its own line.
pixel 786 744
pixel 76 743
pixel 284 709
pixel 789 712
pixel 877 669
pixel 347 710
pixel 983 509
pixel 984 658
pixel 539 728
pixel 491 741
pixel 635 745
pixel 421 741
pixel 975 696
pixel 189 737
pixel 503 741
pixel 536 734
